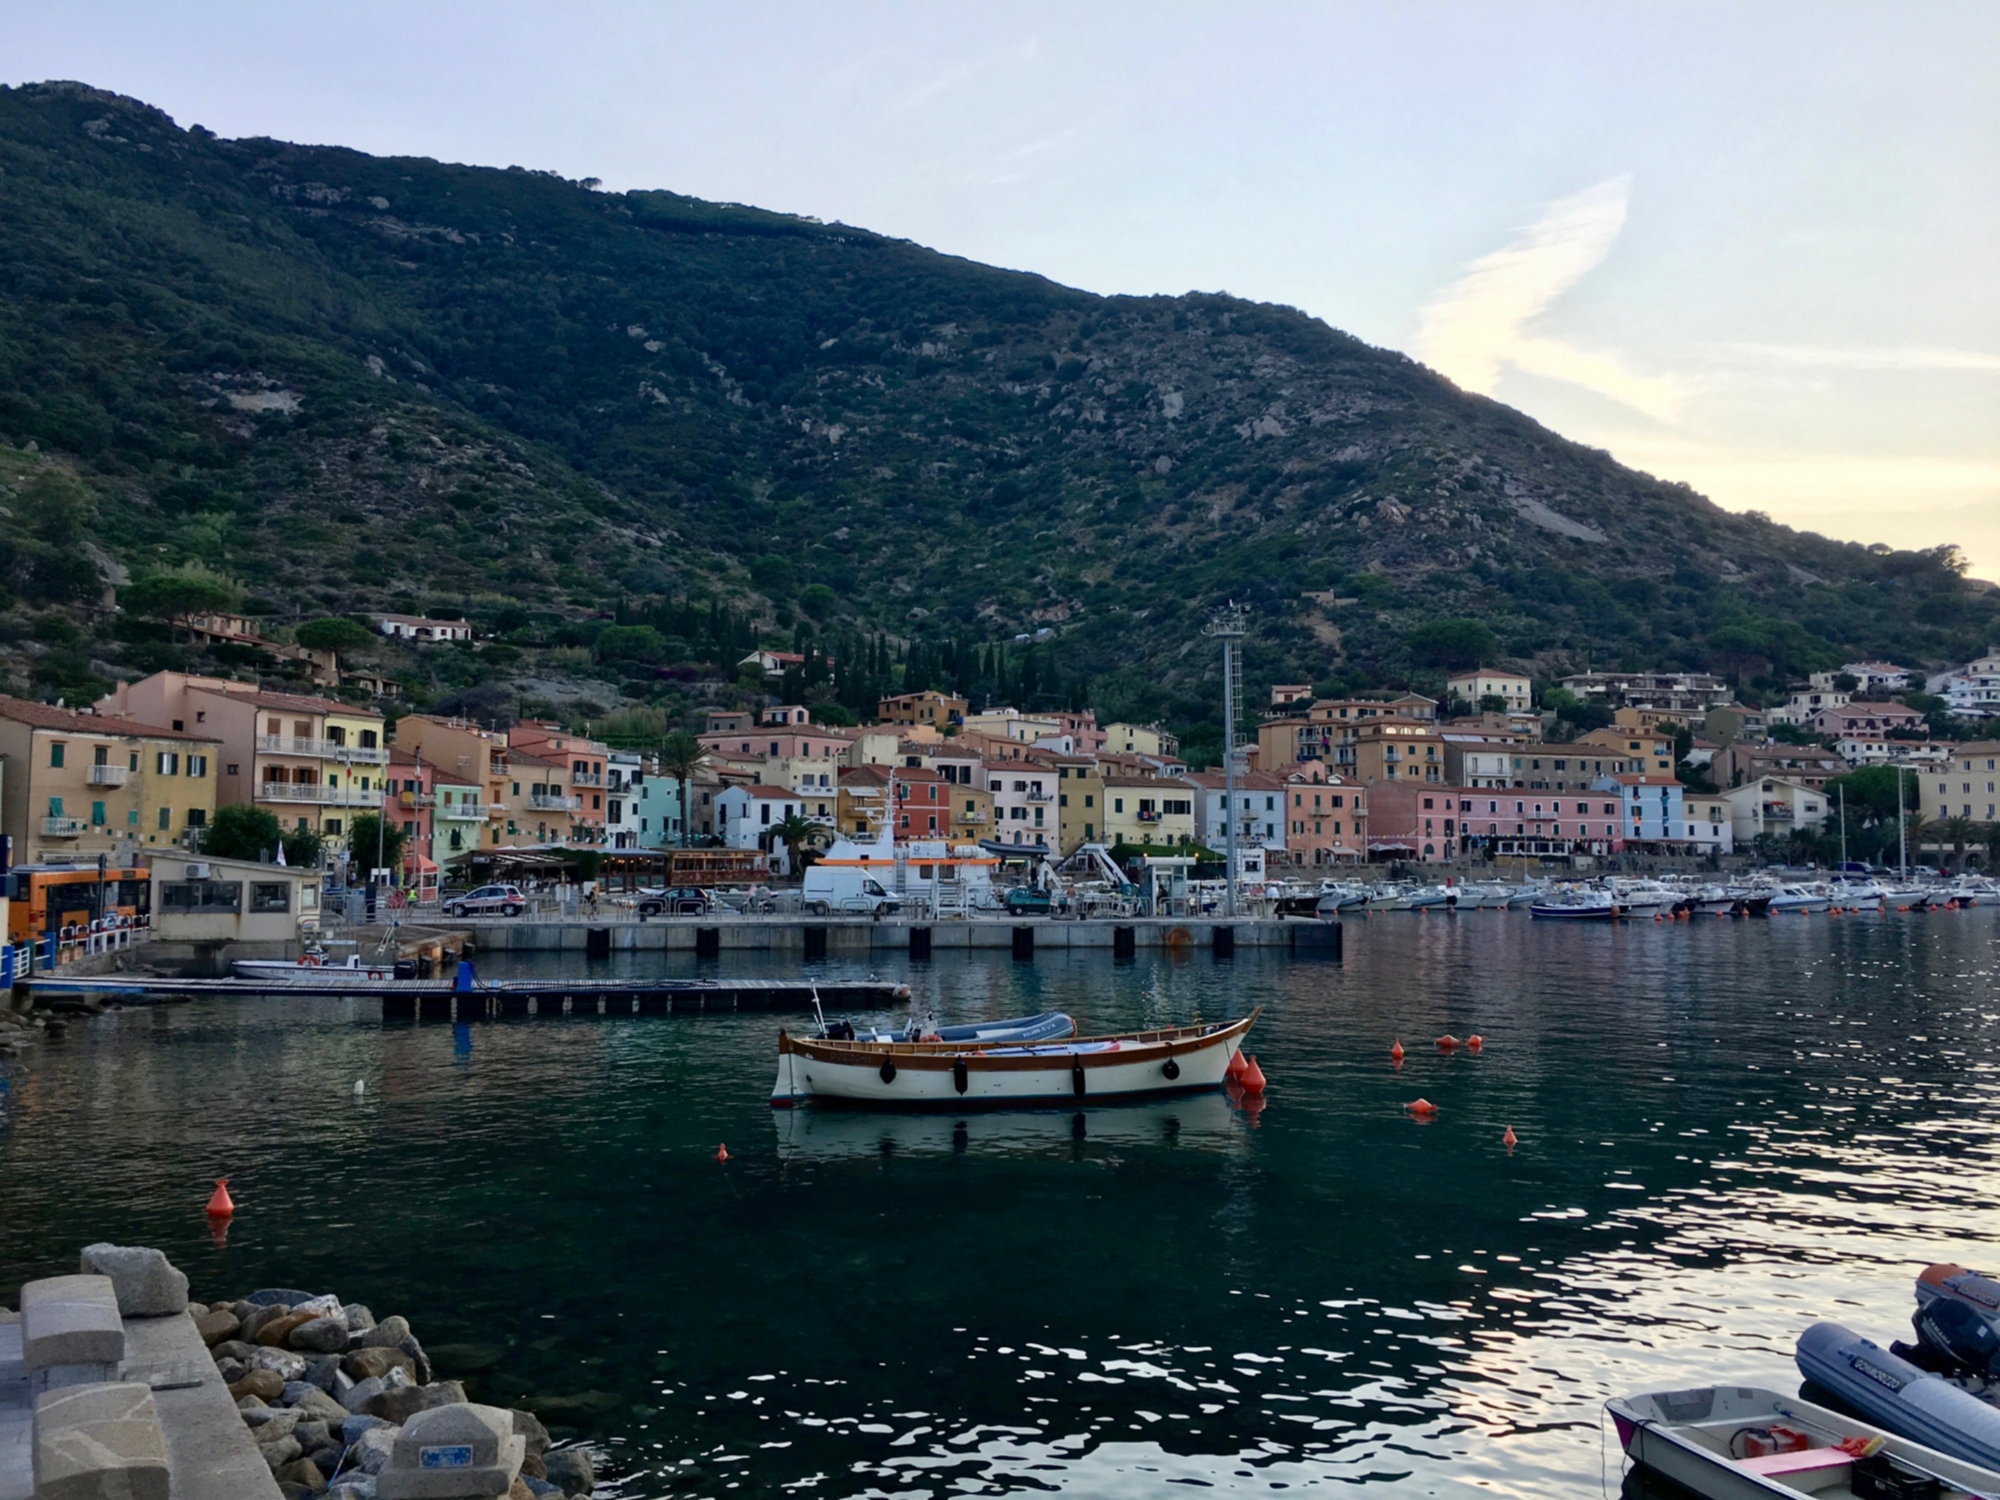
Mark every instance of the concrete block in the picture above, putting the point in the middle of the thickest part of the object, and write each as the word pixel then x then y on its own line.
pixel 71 1320
pixel 453 1452
pixel 99 1442
pixel 146 1282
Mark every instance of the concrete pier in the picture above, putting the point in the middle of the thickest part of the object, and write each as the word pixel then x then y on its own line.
pixel 828 937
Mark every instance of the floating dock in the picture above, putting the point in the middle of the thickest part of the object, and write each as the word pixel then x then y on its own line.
pixel 442 1000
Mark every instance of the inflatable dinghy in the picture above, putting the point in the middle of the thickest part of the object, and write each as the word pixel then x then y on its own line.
pixel 1946 1282
pixel 1893 1393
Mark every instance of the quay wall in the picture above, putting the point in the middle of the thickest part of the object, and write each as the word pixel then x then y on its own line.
pixel 826 937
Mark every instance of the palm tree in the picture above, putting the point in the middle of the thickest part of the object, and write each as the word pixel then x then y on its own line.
pixel 681 755
pixel 1956 831
pixel 795 831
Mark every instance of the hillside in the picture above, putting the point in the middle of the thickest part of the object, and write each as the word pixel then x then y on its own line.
pixel 351 382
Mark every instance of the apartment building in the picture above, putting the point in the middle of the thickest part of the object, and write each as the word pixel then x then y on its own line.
pixel 1963 787
pixel 1148 810
pixel 76 785
pixel 1390 749
pixel 313 763
pixel 1259 812
pixel 1414 820
pixel 1513 690
pixel 1325 814
pixel 1521 823
pixel 1079 802
pixel 935 709
pixel 584 762
pixel 1024 801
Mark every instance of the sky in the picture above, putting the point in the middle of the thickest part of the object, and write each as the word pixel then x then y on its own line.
pixel 1752 247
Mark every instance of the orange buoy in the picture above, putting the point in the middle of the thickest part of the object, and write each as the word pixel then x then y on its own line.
pixel 1474 1042
pixel 1447 1042
pixel 1253 1078
pixel 220 1205
pixel 1396 1049
pixel 1509 1140
pixel 1422 1108
pixel 1237 1067
pixel 722 1153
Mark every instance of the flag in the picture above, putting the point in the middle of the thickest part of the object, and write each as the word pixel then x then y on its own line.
pixel 281 851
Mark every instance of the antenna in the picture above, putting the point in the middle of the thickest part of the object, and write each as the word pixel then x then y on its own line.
pixel 1226 626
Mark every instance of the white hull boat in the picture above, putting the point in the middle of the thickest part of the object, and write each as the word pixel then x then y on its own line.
pixel 1585 906
pixel 1800 898
pixel 1742 1443
pixel 946 1075
pixel 315 969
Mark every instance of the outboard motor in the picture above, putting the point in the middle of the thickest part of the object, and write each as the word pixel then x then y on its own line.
pixel 1957 1338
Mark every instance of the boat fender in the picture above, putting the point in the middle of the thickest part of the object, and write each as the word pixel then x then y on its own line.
pixel 959 1080
pixel 1171 1068
pixel 888 1070
pixel 1076 1079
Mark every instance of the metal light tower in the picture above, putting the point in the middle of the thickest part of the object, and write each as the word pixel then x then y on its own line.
pixel 1226 625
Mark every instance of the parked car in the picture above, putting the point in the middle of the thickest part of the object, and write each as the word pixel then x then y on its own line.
pixel 678 901
pixel 487 901
pixel 1023 902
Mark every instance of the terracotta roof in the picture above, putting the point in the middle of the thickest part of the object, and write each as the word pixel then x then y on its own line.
pixel 291 702
pixel 773 792
pixel 48 716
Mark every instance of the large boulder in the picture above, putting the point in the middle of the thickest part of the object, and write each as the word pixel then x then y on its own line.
pixel 216 1327
pixel 400 1403
pixel 571 1468
pixel 304 1475
pixel 528 1427
pixel 368 1363
pixel 320 1335
pixel 275 1334
pixel 374 1448
pixel 387 1334
pixel 310 1401
pixel 146 1282
pixel 265 1385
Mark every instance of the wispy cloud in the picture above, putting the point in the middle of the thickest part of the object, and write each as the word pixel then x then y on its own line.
pixel 1481 323
pixel 1866 359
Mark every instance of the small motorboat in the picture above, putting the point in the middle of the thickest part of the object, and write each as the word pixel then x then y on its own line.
pixel 1579 905
pixel 1800 898
pixel 960 1075
pixel 1743 1443
pixel 316 966
pixel 1898 1395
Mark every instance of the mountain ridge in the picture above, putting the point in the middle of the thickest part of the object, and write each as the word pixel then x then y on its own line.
pixel 360 382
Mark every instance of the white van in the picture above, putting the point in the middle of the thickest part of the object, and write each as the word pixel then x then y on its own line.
pixel 844 888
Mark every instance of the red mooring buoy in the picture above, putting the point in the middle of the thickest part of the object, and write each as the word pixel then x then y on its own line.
pixel 1253 1078
pixel 1509 1140
pixel 1422 1108
pixel 722 1153
pixel 220 1204
pixel 1447 1042
pixel 1396 1050
pixel 1237 1067
pixel 1474 1042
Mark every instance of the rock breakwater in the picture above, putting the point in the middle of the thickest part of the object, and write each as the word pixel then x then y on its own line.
pixel 326 1389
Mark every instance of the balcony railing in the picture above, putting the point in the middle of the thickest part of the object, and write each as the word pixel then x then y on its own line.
pixel 585 778
pixel 63 828
pixel 288 744
pixel 106 775
pixel 548 802
pixel 461 812
pixel 319 795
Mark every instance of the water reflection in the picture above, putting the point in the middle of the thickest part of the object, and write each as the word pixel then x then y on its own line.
pixel 1725 1131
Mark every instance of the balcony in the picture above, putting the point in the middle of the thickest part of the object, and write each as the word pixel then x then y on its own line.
pixel 63 828
pixel 317 794
pixel 107 775
pixel 461 812
pixel 286 744
pixel 414 799
pixel 585 778
pixel 548 802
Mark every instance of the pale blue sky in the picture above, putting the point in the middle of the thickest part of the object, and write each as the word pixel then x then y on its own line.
pixel 1749 246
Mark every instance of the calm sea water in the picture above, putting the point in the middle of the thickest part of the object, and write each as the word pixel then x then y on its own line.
pixel 1726 1130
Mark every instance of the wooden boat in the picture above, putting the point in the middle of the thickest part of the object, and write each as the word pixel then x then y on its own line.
pixel 1729 1442
pixel 949 1075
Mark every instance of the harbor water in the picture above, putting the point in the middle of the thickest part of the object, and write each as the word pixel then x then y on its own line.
pixel 1726 1130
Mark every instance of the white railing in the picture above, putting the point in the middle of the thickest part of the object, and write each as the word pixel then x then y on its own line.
pixel 108 775
pixel 585 778
pixel 63 828
pixel 322 796
pixel 288 744
pixel 545 802
pixel 461 812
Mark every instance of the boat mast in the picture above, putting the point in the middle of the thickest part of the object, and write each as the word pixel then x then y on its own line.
pixel 1902 837
pixel 1226 625
pixel 1843 825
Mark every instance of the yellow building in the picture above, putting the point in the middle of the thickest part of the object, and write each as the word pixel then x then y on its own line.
pixel 1962 787
pixel 1652 750
pixel 76 785
pixel 313 763
pixel 1080 807
pixel 1148 810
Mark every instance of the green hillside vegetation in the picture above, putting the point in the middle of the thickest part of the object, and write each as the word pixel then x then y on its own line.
pixel 636 434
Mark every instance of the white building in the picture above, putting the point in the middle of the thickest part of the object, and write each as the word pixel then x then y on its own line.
pixel 1711 827
pixel 624 775
pixel 745 816
pixel 1805 702
pixel 1973 690
pixel 1775 806
pixel 657 801
pixel 1260 803
pixel 417 628
pixel 1024 802
pixel 1874 677
pixel 1515 691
